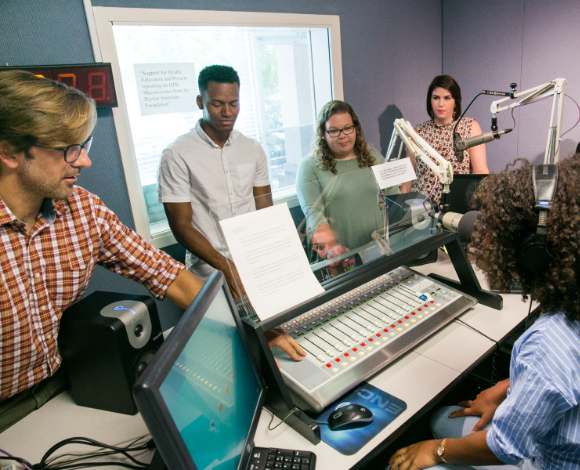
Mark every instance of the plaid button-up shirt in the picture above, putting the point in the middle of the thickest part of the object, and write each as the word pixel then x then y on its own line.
pixel 43 273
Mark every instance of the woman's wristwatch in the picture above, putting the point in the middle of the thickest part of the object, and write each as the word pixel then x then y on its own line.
pixel 441 450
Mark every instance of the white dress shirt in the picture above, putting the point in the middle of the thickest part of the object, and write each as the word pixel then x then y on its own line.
pixel 218 182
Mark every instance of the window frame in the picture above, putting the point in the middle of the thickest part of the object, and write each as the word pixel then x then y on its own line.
pixel 104 17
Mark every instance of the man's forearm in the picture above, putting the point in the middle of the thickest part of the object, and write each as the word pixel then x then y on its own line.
pixel 184 288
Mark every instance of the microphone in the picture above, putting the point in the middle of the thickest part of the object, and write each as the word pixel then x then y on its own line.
pixel 465 144
pixel 496 93
pixel 462 224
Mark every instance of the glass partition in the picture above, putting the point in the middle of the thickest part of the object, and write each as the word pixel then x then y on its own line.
pixel 344 222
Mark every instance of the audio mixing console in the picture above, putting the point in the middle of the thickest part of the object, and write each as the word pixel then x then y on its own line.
pixel 356 334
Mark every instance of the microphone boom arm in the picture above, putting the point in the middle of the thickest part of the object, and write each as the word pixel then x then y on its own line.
pixel 555 88
pixel 421 149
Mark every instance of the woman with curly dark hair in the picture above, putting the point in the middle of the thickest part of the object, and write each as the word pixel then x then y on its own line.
pixel 535 414
pixel 336 187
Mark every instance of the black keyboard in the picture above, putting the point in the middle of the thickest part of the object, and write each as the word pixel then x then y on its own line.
pixel 281 459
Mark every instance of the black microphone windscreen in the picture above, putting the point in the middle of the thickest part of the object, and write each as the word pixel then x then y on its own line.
pixel 466 224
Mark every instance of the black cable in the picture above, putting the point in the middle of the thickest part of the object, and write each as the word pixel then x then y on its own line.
pixel 459 154
pixel 105 464
pixel 476 330
pixel 528 317
pixel 79 457
pixel 272 419
pixel 43 465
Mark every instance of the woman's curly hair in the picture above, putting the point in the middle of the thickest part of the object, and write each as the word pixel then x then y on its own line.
pixel 321 150
pixel 507 215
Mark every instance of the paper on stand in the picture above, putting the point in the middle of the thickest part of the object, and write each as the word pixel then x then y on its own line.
pixel 394 173
pixel 270 260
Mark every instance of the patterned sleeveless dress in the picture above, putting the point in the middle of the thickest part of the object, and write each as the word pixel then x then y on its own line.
pixel 441 139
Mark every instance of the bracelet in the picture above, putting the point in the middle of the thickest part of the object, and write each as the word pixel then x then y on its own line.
pixel 441 450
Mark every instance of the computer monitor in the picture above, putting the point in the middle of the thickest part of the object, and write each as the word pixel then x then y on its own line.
pixel 461 193
pixel 201 396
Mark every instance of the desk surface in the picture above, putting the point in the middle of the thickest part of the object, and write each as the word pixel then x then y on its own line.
pixel 418 377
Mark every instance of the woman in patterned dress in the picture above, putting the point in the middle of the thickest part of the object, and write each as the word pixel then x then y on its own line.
pixel 444 107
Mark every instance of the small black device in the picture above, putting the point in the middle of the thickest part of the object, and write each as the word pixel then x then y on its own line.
pixel 461 193
pixel 106 340
pixel 201 396
pixel 350 416
pixel 534 255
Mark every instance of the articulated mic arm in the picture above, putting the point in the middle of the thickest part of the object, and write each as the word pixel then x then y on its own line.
pixel 421 149
pixel 555 88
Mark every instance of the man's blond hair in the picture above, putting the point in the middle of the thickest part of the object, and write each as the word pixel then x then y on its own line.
pixel 36 110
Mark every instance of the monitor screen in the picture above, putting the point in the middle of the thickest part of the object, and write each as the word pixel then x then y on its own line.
pixel 461 193
pixel 203 385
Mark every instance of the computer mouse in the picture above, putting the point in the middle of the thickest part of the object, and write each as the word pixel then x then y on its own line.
pixel 350 416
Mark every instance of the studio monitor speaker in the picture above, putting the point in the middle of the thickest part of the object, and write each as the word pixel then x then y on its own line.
pixel 106 340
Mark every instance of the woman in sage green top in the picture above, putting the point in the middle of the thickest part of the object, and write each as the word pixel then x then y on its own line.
pixel 336 187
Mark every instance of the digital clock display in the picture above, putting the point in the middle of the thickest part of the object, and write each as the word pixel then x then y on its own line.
pixel 95 80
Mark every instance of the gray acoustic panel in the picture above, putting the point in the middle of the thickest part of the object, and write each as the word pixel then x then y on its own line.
pixel 488 44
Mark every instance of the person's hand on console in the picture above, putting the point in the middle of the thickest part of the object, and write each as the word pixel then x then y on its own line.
pixel 335 268
pixel 233 278
pixel 277 338
pixel 484 404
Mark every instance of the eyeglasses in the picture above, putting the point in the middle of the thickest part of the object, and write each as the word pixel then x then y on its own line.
pixel 72 152
pixel 336 132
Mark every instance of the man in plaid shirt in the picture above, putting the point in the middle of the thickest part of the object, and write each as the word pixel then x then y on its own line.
pixel 53 233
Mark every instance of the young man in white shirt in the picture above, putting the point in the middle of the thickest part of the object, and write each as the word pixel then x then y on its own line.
pixel 213 173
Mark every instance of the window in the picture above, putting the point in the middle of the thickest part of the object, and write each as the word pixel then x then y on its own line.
pixel 288 70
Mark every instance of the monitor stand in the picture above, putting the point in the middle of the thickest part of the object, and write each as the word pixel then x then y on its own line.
pixel 157 462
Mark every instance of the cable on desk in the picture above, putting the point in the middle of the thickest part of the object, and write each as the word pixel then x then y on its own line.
pixel 477 331
pixel 103 451
pixel 22 462
pixel 287 416
pixel 110 450
pixel 82 460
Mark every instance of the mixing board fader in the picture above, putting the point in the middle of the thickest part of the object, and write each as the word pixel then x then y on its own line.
pixel 355 335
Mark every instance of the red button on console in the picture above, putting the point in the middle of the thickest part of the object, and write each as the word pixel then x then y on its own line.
pixel 371 339
pixel 363 345
pixel 329 365
pixel 378 335
pixel 337 360
pixel 400 321
pixel 346 354
pixel 355 349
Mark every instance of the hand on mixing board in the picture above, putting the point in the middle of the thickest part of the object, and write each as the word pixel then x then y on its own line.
pixel 277 338
pixel 484 404
pixel 335 268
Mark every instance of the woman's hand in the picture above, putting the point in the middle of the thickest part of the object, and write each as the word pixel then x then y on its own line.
pixel 484 404
pixel 416 456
